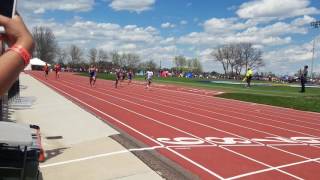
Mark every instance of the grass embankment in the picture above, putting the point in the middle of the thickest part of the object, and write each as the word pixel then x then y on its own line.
pixel 277 95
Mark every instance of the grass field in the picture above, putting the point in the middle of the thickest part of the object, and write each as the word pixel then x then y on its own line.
pixel 277 95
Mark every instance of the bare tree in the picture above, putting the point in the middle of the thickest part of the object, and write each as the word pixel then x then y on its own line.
pixel 235 57
pixel 102 55
pixel 252 56
pixel 45 44
pixel 93 55
pixel 123 60
pixel 196 65
pixel 133 61
pixel 180 62
pixel 219 56
pixel 102 60
pixel 149 65
pixel 115 58
pixel 239 60
pixel 62 56
pixel 75 54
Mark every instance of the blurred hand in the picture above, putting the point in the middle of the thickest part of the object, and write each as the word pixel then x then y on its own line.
pixel 16 32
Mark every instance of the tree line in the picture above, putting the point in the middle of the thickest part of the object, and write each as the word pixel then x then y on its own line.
pixel 236 58
pixel 47 49
pixel 182 64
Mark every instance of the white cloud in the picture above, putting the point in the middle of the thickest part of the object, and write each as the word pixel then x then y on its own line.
pixel 167 25
pixel 148 43
pixel 305 20
pixel 143 41
pixel 222 25
pixel 276 9
pixel 132 5
pixel 65 5
pixel 233 30
pixel 291 54
pixel 290 59
pixel 276 29
pixel 183 22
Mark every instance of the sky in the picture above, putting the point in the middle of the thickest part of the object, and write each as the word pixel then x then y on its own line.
pixel 162 29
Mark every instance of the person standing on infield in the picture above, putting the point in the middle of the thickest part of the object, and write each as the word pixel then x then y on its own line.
pixel 303 78
pixel 248 77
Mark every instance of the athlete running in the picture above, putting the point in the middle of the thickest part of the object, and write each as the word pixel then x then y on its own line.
pixel 149 75
pixel 57 69
pixel 46 71
pixel 118 77
pixel 93 74
pixel 130 75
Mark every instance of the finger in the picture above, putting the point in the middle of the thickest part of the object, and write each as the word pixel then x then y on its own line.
pixel 4 20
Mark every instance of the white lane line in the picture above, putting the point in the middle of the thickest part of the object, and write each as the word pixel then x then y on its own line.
pixel 288 152
pixel 273 168
pixel 287 145
pixel 226 103
pixel 200 166
pixel 289 174
pixel 243 145
pixel 192 113
pixel 99 156
pixel 249 158
pixel 249 114
pixel 301 126
pixel 107 115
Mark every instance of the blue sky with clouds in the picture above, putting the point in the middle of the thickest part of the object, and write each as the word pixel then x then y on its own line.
pixel 161 29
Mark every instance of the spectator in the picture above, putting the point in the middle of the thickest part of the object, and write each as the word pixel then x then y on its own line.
pixel 303 78
pixel 13 61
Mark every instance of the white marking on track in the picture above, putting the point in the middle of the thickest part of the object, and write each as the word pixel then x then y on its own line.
pixel 223 148
pixel 165 124
pixel 272 168
pixel 178 154
pixel 99 156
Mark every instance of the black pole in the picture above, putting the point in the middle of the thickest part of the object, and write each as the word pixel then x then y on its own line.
pixel 316 25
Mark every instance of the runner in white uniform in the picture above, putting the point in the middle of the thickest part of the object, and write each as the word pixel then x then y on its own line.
pixel 149 78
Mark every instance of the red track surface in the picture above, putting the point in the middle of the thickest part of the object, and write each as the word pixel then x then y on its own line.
pixel 212 137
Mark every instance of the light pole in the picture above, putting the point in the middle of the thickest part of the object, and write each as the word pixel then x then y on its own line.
pixel 316 25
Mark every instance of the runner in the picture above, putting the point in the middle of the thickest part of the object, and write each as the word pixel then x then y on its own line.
pixel 57 69
pixel 118 77
pixel 95 76
pixel 123 75
pixel 92 73
pixel 46 71
pixel 149 78
pixel 130 77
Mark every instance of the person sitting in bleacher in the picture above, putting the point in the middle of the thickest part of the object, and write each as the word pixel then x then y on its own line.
pixel 17 56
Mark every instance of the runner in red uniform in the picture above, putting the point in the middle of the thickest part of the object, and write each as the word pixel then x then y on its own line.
pixel 46 71
pixel 57 69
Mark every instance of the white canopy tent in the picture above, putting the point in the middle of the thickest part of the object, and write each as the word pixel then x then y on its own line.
pixel 35 62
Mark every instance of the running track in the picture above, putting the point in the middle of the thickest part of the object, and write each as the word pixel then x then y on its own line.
pixel 211 137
